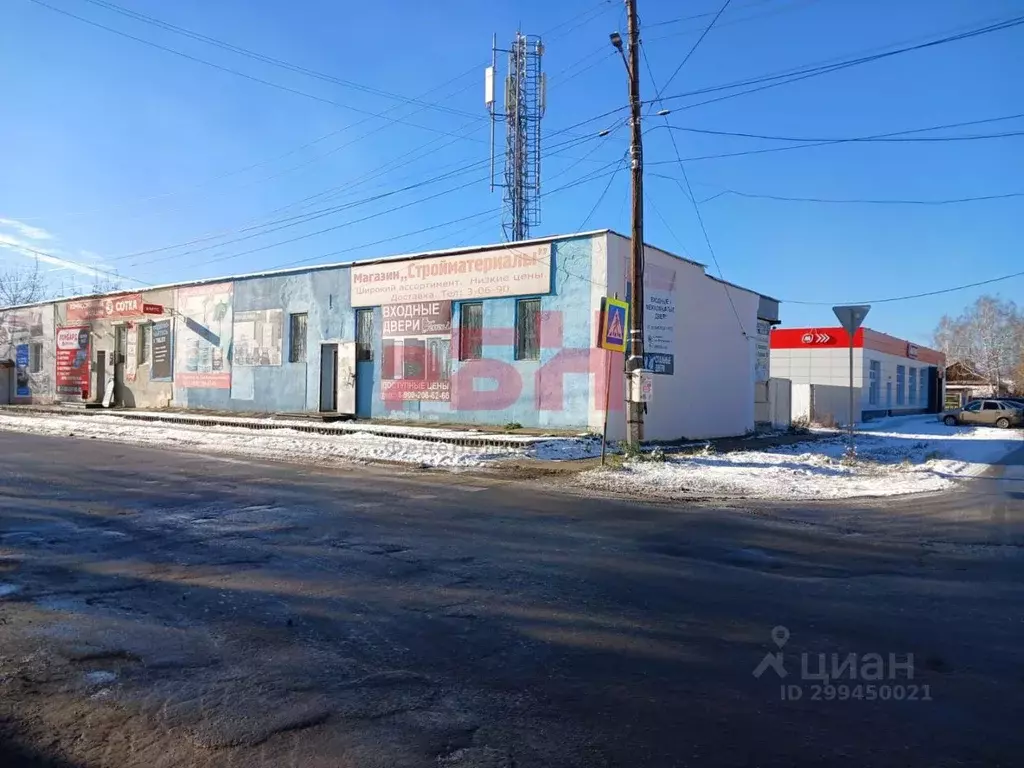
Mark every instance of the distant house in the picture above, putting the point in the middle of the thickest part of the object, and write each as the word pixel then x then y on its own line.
pixel 964 383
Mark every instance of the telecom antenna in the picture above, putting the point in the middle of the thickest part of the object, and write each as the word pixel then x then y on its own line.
pixel 525 97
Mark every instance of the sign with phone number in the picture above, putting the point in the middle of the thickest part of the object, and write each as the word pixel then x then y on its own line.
pixel 407 389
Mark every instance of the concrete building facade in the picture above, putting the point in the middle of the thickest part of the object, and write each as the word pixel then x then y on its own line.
pixel 891 375
pixel 493 335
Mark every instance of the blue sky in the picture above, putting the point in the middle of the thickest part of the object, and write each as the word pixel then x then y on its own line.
pixel 111 147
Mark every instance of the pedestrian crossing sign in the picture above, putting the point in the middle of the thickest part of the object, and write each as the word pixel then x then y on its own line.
pixel 613 325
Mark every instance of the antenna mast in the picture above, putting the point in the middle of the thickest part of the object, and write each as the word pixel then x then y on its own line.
pixel 525 97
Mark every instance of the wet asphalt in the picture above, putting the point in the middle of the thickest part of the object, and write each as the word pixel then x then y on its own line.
pixel 160 608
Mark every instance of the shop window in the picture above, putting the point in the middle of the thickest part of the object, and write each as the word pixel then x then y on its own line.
pixel 297 333
pixel 471 331
pixel 528 329
pixel 875 382
pixel 901 384
pixel 35 358
pixel 923 388
pixel 912 386
pixel 364 335
pixel 145 343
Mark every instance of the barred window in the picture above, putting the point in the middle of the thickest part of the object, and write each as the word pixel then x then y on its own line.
pixel 471 331
pixel 528 329
pixel 297 332
pixel 901 384
pixel 912 386
pixel 364 335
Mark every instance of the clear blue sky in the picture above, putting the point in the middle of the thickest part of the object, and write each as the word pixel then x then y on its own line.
pixel 112 147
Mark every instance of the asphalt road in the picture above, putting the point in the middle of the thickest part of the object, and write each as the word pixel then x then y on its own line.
pixel 169 609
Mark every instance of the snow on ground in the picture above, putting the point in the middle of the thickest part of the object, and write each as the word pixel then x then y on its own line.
pixel 282 444
pixel 894 457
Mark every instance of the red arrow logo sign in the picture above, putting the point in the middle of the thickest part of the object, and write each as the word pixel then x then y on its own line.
pixel 815 337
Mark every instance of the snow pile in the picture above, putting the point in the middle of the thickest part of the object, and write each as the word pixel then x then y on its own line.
pixel 895 457
pixel 280 444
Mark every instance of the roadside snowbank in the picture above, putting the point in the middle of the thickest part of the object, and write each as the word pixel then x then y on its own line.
pixel 894 457
pixel 280 444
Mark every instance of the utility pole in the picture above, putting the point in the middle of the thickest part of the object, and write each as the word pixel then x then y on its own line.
pixel 636 261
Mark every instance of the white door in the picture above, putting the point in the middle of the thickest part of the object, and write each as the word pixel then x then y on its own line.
pixel 347 378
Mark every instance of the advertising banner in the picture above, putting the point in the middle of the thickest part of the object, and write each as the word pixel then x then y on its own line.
pixel 131 355
pixel 202 347
pixel 425 318
pixel 162 368
pixel 511 271
pixel 258 337
pixel 23 386
pixel 659 319
pixel 761 367
pixel 129 305
pixel 73 353
pixel 417 367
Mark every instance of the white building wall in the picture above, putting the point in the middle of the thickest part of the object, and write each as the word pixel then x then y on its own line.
pixel 829 366
pixel 711 393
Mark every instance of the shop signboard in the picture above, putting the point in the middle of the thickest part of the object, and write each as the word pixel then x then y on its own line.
pixel 23 384
pixel 129 305
pixel 73 353
pixel 417 352
pixel 510 271
pixel 203 337
pixel 162 368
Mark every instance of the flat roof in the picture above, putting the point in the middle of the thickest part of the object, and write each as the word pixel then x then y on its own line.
pixel 144 286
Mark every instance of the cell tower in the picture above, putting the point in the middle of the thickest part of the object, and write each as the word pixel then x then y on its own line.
pixel 525 94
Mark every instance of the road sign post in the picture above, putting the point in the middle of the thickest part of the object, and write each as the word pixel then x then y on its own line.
pixel 851 318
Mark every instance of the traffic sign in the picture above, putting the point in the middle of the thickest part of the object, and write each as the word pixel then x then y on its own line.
pixel 613 325
pixel 852 317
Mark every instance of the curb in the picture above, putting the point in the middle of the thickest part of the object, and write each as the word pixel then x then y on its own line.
pixel 468 442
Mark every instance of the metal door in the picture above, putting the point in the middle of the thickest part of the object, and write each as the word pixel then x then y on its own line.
pixel 347 378
pixel 328 378
pixel 101 376
pixel 120 356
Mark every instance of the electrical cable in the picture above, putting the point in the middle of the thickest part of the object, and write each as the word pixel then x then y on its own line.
pixel 239 73
pixel 696 207
pixel 690 53
pixel 910 296
pixel 766 81
pixel 827 142
pixel 882 138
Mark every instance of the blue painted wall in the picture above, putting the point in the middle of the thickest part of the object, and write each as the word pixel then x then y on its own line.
pixel 570 306
pixel 289 387
pixel 567 333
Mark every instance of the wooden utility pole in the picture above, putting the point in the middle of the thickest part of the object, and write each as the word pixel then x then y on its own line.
pixel 636 261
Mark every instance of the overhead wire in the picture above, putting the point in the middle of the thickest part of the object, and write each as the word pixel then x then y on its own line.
pixel 910 296
pixel 796 75
pixel 690 53
pixel 237 72
pixel 682 169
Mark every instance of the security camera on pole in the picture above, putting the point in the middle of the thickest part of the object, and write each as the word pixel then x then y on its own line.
pixel 636 377
pixel 851 318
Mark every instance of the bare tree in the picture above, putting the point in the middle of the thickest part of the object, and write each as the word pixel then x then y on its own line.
pixel 21 286
pixel 986 337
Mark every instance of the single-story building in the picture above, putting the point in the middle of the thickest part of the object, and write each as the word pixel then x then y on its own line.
pixel 890 375
pixel 491 334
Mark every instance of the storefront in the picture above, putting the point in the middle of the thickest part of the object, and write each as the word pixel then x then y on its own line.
pixel 891 375
pixel 499 334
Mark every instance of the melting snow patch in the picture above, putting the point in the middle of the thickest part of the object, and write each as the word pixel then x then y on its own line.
pixel 100 677
pixel 8 589
pixel 909 455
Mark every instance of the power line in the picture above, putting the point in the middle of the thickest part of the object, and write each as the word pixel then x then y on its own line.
pixel 795 75
pixel 704 15
pixel 300 219
pixel 882 138
pixel 827 142
pixel 794 6
pixel 256 56
pixel 693 200
pixel 908 297
pixel 689 53
pixel 239 73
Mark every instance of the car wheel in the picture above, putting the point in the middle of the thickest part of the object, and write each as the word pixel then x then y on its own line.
pixel 1003 423
pixel 950 421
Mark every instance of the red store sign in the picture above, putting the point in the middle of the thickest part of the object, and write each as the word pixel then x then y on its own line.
pixel 129 305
